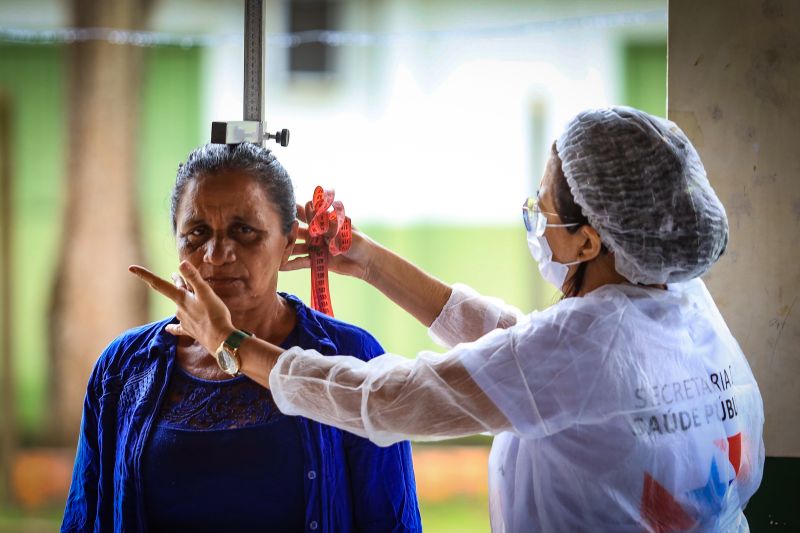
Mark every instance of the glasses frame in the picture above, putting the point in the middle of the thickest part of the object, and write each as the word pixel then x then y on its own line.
pixel 538 223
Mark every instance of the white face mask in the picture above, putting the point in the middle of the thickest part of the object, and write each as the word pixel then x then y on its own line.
pixel 552 271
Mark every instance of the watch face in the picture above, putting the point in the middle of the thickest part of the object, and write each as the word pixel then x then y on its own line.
pixel 226 362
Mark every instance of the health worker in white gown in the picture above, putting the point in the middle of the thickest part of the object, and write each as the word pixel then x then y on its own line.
pixel 626 406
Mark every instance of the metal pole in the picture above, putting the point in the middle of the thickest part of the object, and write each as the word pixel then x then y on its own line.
pixel 253 60
pixel 253 127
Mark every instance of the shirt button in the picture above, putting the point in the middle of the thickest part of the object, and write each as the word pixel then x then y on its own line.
pixel 313 524
pixel 312 475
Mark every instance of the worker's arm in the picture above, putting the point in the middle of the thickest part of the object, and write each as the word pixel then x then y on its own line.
pixel 454 313
pixel 420 294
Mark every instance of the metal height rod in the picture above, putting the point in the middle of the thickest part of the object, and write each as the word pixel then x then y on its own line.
pixel 253 127
pixel 253 60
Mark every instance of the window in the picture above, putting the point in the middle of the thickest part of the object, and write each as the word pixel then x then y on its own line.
pixel 307 16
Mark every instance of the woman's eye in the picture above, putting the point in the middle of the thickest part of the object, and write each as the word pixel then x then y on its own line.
pixel 246 234
pixel 197 233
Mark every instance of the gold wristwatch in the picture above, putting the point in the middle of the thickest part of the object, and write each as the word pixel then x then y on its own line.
pixel 228 352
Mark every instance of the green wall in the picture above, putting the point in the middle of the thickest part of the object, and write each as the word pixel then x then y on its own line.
pixel 645 76
pixel 34 77
pixel 170 129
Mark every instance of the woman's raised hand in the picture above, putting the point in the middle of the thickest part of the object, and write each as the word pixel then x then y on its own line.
pixel 355 262
pixel 202 314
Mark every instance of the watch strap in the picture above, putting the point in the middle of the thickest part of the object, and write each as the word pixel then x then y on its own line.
pixel 235 339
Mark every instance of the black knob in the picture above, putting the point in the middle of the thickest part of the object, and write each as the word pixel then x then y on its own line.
pixel 282 137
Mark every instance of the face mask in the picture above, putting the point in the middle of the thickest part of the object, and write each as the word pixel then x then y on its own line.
pixel 552 271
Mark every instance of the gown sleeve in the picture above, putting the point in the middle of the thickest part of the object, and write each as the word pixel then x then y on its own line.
pixel 534 379
pixel 381 478
pixel 390 398
pixel 467 316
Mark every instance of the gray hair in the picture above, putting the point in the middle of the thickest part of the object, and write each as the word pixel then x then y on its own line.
pixel 248 158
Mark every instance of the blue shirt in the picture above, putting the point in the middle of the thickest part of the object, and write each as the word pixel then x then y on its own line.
pixel 206 452
pixel 349 484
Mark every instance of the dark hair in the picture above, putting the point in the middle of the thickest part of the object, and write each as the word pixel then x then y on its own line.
pixel 569 212
pixel 247 158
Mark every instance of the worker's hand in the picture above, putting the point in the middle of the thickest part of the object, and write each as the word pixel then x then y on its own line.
pixel 355 262
pixel 202 314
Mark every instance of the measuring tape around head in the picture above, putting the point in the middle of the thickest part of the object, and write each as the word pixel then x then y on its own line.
pixel 329 233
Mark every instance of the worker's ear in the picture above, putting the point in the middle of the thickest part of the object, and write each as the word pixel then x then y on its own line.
pixel 592 245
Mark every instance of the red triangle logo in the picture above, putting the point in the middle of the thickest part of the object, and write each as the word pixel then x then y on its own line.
pixel 735 451
pixel 660 509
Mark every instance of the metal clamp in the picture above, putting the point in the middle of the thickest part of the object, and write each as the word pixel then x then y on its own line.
pixel 251 131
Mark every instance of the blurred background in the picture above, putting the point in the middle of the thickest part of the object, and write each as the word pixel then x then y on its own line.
pixel 431 119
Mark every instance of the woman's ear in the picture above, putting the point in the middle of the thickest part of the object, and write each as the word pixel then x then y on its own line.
pixel 291 239
pixel 592 245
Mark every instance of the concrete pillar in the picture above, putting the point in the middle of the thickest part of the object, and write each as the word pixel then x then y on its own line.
pixel 734 88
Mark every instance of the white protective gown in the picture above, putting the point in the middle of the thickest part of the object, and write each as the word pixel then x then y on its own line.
pixel 629 409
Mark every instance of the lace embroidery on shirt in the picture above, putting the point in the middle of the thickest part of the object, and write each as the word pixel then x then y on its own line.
pixel 197 404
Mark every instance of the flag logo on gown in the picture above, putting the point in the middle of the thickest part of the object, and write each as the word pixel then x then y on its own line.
pixel 664 513
pixel 660 509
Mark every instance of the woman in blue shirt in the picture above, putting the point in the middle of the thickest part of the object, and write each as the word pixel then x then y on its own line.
pixel 173 441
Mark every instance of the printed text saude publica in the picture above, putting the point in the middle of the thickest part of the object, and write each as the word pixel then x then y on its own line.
pixel 662 396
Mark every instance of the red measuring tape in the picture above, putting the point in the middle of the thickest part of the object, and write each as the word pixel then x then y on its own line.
pixel 329 233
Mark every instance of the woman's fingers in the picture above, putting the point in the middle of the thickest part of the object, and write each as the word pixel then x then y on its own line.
pixel 301 213
pixel 176 294
pixel 309 211
pixel 202 315
pixel 300 248
pixel 194 280
pixel 297 263
pixel 179 282
pixel 177 330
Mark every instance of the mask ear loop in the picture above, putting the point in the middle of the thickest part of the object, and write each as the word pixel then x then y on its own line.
pixel 578 255
pixel 580 272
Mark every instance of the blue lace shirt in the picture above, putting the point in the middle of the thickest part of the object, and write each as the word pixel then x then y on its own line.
pixel 205 452
pixel 349 484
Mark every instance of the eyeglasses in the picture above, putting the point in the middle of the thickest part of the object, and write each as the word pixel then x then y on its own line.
pixel 535 219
